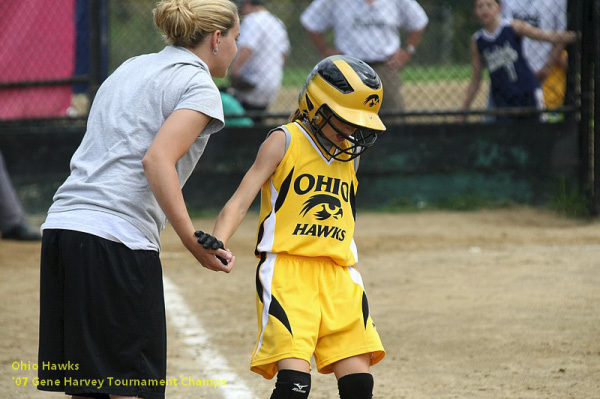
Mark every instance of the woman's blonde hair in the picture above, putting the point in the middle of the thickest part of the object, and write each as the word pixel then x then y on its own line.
pixel 187 23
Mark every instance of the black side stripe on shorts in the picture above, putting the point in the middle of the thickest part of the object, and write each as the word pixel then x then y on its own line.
pixel 365 309
pixel 276 310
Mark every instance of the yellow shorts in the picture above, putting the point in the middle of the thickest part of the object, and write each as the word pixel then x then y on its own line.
pixel 555 86
pixel 311 306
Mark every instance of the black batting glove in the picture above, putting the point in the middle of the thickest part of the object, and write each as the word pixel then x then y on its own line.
pixel 210 242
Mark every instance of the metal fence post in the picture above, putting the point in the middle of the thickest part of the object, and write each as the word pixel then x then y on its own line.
pixel 596 117
pixel 585 9
pixel 95 48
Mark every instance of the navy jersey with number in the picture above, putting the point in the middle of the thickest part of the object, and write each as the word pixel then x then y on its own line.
pixel 513 83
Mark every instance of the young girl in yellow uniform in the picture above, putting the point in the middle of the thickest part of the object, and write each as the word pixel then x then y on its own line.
pixel 310 298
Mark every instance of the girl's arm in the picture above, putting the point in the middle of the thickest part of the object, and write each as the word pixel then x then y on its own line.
pixel 173 140
pixel 269 155
pixel 561 37
pixel 477 68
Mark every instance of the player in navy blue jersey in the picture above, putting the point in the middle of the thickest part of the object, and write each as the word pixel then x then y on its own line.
pixel 498 46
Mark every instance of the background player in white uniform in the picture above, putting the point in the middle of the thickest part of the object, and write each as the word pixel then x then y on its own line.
pixel 257 71
pixel 370 30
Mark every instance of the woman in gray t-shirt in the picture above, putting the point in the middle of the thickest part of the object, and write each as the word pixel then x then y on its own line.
pixel 101 295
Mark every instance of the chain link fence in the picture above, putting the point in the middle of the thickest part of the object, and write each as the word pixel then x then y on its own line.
pixel 53 55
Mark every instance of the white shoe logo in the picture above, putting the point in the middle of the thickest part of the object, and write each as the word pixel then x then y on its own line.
pixel 299 388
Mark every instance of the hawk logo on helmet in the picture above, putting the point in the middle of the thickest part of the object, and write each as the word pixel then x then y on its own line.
pixel 372 100
pixel 330 207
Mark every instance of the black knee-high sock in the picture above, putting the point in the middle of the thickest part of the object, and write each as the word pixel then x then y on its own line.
pixel 356 386
pixel 291 384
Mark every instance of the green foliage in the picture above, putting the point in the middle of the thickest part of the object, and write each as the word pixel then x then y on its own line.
pixel 447 38
pixel 471 201
pixel 131 31
pixel 569 199
pixel 468 201
pixel 295 76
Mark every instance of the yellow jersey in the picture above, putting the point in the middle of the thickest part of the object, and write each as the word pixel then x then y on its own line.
pixel 308 204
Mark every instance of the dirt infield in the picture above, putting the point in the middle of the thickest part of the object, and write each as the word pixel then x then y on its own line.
pixel 487 304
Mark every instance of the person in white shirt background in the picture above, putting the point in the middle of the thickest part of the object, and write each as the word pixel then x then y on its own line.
pixel 257 71
pixel 369 30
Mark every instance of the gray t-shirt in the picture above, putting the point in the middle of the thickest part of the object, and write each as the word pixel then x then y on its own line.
pixel 107 175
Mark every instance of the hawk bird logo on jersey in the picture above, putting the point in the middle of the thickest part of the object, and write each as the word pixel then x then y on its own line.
pixel 330 207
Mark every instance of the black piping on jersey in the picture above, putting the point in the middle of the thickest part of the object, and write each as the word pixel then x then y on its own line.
pixel 283 191
pixel 259 286
pixel 365 308
pixel 353 200
pixel 261 228
pixel 261 233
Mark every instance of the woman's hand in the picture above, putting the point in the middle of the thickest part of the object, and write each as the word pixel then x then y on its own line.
pixel 212 256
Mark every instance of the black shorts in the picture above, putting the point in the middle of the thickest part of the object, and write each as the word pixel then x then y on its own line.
pixel 102 318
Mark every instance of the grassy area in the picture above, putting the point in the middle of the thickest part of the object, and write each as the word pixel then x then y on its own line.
pixel 567 200
pixel 470 201
pixel 570 200
pixel 294 77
